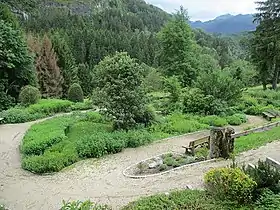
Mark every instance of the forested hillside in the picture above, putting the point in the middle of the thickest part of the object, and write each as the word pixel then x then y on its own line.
pixel 227 24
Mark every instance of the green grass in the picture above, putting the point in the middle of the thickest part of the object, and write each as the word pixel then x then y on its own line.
pixel 44 108
pixel 254 141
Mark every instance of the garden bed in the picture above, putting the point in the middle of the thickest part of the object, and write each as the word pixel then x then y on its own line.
pixel 161 164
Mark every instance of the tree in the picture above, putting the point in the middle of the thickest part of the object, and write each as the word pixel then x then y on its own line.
pixel 85 76
pixel 16 66
pixel 48 73
pixel 221 85
pixel 266 41
pixel 119 90
pixel 176 54
pixel 66 61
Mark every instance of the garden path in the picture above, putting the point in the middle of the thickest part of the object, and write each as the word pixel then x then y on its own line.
pixel 100 180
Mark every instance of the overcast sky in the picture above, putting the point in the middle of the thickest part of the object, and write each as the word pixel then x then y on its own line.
pixel 207 9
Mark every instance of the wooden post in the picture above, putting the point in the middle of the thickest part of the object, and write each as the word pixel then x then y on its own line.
pixel 221 143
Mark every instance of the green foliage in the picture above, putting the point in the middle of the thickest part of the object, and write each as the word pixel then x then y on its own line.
pixel 179 124
pixel 254 141
pixel 20 115
pixel 15 63
pixel 163 167
pixel 8 16
pixel 213 121
pixel 230 183
pixel 185 199
pixel 119 81
pixel 221 86
pixel 50 106
pixel 75 93
pixel 195 101
pixel 236 119
pixel 44 108
pixel 86 79
pixel 268 201
pixel 169 161
pixel 86 205
pixel 29 95
pixel 202 153
pixel 177 43
pixel 265 176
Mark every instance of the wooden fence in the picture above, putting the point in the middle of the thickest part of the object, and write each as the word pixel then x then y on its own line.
pixel 256 130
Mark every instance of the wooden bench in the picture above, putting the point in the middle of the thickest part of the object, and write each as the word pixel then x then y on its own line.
pixel 268 115
pixel 196 143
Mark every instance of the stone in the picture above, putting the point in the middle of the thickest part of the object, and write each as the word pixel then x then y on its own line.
pixel 156 162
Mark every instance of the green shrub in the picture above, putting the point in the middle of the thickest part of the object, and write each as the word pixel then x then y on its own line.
pixel 2 207
pixel 202 153
pixel 265 176
pixel 86 205
pixel 50 161
pixel 136 138
pixel 236 119
pixel 91 146
pixel 115 142
pixel 50 106
pixel 19 115
pixel 169 161
pixel 213 121
pixel 86 105
pixel 230 183
pixel 185 199
pixel 268 201
pixel 29 95
pixel 75 93
pixel 163 167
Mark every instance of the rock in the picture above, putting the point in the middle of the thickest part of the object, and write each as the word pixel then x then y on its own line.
pixel 156 162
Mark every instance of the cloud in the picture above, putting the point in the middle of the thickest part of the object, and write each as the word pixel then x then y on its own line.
pixel 207 9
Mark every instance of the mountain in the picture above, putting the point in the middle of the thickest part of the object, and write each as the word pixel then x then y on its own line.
pixel 227 24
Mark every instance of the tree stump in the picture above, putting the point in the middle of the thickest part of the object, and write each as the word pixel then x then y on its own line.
pixel 221 143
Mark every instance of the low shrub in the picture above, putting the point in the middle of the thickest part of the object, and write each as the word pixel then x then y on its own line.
pixel 268 200
pixel 19 115
pixel 230 183
pixel 86 205
pixel 136 138
pixel 169 161
pixel 236 119
pixel 163 167
pixel 50 106
pixel 86 105
pixel 29 95
pixel 265 176
pixel 185 199
pixel 202 153
pixel 213 121
pixel 75 93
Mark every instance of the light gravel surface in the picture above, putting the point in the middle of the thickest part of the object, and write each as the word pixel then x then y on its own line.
pixel 101 180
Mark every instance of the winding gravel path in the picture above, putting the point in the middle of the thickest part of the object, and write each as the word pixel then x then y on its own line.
pixel 99 180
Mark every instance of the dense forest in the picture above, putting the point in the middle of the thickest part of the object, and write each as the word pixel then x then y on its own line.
pixel 66 39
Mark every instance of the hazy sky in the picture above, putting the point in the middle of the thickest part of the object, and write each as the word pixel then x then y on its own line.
pixel 207 9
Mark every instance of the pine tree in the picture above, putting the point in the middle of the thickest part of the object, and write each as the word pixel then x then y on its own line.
pixel 176 54
pixel 66 61
pixel 48 73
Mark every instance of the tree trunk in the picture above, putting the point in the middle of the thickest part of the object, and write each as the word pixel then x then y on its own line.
pixel 216 138
pixel 221 143
pixel 264 86
pixel 275 78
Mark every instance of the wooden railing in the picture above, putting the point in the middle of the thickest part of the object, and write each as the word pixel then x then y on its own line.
pixel 256 130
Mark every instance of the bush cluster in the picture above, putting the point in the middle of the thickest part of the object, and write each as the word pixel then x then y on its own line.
pixel 230 183
pixel 57 143
pixel 75 93
pixel 29 95
pixel 42 109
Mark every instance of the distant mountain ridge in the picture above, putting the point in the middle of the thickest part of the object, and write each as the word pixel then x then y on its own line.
pixel 227 24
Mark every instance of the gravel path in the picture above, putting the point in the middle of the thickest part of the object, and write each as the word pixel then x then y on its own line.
pixel 100 180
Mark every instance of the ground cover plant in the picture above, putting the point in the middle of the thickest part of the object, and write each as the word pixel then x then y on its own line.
pixel 42 109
